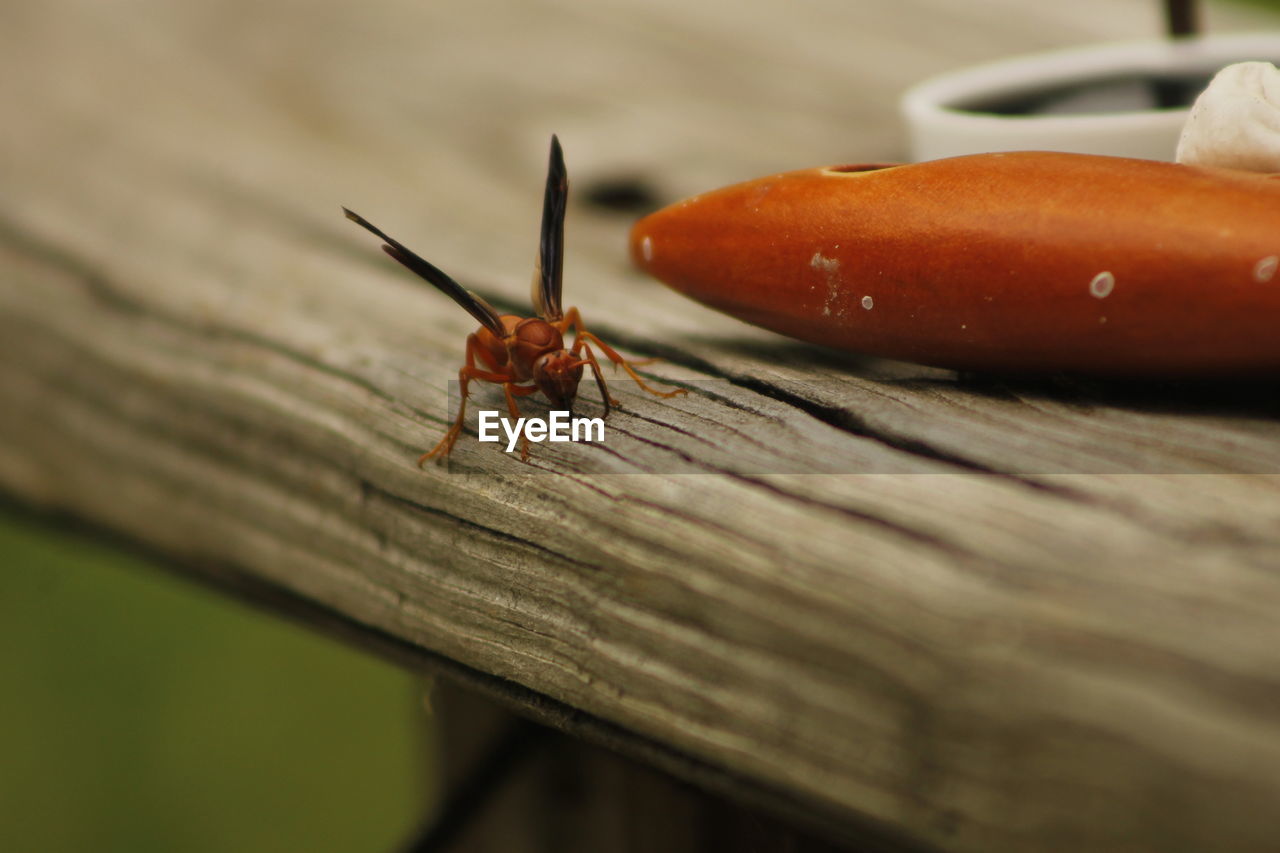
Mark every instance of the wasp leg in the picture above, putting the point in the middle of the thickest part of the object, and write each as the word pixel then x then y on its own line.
pixel 642 362
pixel 468 372
pixel 609 402
pixel 512 390
pixel 573 319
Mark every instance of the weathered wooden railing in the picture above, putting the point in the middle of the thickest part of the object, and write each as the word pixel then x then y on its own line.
pixel 970 614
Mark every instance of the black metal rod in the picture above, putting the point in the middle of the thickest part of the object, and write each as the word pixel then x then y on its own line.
pixel 1182 18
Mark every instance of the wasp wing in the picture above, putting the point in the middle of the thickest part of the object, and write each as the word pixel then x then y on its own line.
pixel 485 313
pixel 550 271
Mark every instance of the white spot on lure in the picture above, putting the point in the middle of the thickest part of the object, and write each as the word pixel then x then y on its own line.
pixel 646 248
pixel 868 302
pixel 831 267
pixel 1102 285
pixel 1265 269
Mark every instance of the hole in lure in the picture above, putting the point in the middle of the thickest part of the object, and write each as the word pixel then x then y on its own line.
pixel 856 168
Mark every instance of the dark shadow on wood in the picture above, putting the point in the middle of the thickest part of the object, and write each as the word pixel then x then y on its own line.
pixel 518 788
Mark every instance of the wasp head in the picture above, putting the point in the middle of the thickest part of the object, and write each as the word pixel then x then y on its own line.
pixel 557 375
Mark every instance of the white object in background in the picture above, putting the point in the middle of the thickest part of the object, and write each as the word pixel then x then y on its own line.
pixel 940 125
pixel 1235 123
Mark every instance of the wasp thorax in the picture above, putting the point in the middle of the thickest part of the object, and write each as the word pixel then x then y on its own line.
pixel 557 375
pixel 538 333
pixel 532 339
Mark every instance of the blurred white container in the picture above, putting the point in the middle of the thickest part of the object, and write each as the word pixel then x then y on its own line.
pixel 1100 99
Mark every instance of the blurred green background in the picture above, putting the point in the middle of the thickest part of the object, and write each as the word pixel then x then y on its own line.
pixel 140 713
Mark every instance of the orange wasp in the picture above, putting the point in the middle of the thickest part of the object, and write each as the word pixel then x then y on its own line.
pixel 516 350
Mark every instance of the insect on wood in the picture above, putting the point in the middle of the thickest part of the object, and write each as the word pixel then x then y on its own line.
pixel 523 354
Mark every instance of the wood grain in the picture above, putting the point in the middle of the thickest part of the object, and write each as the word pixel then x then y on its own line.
pixel 1020 615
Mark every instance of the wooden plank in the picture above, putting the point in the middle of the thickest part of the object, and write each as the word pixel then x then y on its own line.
pixel 1018 614
pixel 556 793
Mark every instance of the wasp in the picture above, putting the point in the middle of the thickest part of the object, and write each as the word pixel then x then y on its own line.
pixel 524 355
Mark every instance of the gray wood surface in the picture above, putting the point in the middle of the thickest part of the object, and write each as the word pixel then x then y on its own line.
pixel 1018 615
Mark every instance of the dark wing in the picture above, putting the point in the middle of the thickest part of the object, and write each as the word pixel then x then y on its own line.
pixel 547 279
pixel 485 313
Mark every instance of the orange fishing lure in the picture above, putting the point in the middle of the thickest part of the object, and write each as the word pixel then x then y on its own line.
pixel 1022 261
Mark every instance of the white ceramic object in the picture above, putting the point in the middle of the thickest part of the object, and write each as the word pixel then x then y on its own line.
pixel 1235 123
pixel 1125 124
